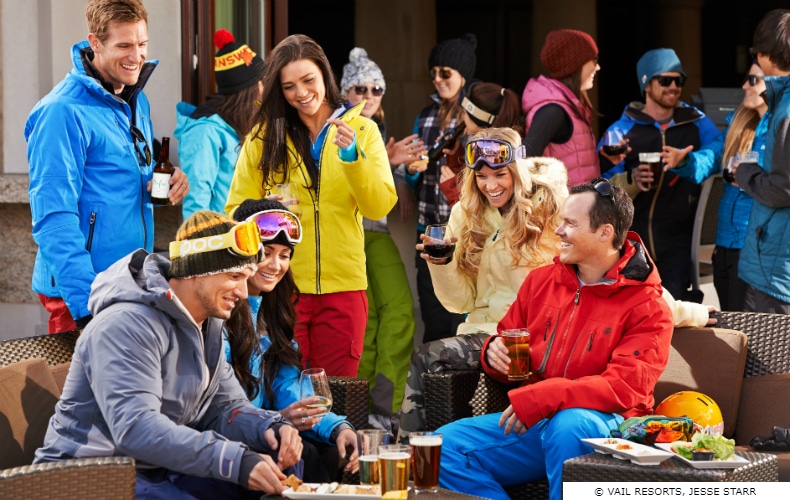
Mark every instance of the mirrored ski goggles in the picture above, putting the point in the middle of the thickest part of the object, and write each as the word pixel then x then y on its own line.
pixel 243 240
pixel 495 153
pixel 271 222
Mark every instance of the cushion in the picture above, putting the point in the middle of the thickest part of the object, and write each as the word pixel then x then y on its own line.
pixel 710 361
pixel 28 394
pixel 59 372
pixel 765 402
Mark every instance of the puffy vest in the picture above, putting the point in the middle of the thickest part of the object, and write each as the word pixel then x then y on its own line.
pixel 580 152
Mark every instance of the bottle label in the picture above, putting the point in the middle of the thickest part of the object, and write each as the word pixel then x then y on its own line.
pixel 160 185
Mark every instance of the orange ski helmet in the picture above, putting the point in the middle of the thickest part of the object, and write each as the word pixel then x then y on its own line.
pixel 697 406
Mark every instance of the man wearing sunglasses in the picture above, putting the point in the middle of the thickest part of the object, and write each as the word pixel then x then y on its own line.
pixel 89 146
pixel 149 378
pixel 663 215
pixel 765 257
pixel 600 338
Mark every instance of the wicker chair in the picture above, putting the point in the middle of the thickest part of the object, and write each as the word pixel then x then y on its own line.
pixel 113 477
pixel 109 477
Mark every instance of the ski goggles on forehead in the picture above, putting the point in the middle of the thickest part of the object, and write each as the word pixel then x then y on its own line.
pixel 494 153
pixel 272 222
pixel 243 240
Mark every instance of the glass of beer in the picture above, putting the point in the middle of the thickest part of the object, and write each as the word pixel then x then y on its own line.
pixel 653 160
pixel 369 442
pixel 394 461
pixel 517 343
pixel 289 198
pixel 426 453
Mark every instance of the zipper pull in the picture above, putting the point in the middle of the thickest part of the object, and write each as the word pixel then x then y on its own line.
pixel 576 300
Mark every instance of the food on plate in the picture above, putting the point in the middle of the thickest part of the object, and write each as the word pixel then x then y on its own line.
pixel 703 454
pixel 292 482
pixel 611 441
pixel 336 488
pixel 721 447
pixel 624 446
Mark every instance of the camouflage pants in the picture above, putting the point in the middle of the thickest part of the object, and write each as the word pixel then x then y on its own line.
pixel 461 352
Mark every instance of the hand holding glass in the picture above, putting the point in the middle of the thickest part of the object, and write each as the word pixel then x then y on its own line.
pixel 313 382
pixel 614 142
pixel 289 198
pixel 517 343
pixel 437 243
pixel 734 161
pixel 653 160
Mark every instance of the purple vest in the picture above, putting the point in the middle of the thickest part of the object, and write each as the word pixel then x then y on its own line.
pixel 580 153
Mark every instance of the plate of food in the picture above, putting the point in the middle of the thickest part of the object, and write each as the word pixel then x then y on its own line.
pixel 297 490
pixel 706 451
pixel 628 450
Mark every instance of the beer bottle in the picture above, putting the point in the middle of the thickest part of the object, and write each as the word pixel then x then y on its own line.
pixel 446 142
pixel 160 183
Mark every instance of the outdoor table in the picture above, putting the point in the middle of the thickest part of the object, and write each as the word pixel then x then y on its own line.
pixel 597 467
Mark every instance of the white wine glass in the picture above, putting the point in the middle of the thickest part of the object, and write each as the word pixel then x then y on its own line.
pixel 313 382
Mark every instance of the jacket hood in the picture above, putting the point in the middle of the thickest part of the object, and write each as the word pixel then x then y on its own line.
pixel 634 268
pixel 775 88
pixel 139 277
pixel 82 52
pixel 683 113
pixel 189 116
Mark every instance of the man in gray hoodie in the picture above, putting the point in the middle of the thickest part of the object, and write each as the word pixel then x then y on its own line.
pixel 149 377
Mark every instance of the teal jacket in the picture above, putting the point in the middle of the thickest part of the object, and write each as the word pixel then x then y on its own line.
pixel 765 258
pixel 207 149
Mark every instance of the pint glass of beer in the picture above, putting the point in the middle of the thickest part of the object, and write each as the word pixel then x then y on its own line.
pixel 653 160
pixel 369 442
pixel 517 343
pixel 394 468
pixel 426 452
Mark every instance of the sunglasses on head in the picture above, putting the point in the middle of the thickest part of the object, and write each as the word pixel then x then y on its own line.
pixel 362 90
pixel 604 188
pixel 444 73
pixel 752 79
pixel 272 222
pixel 243 240
pixel 666 81
pixel 494 153
pixel 143 157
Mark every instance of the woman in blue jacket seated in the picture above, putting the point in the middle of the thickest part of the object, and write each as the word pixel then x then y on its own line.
pixel 261 348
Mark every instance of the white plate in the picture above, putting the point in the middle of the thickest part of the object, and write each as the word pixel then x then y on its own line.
pixel 624 449
pixel 305 495
pixel 731 463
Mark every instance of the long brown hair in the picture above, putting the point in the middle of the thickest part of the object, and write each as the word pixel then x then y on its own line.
pixel 277 119
pixel 740 134
pixel 237 109
pixel 574 83
pixel 276 318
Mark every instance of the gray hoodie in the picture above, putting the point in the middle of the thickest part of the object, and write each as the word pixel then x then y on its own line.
pixel 144 383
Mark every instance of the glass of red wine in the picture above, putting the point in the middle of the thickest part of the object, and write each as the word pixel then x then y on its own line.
pixel 614 142
pixel 437 243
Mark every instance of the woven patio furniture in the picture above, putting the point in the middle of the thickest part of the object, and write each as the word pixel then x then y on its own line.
pixel 106 477
pixel 598 467
pixel 769 341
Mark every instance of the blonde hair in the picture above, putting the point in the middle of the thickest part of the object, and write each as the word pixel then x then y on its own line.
pixel 539 188
pixel 740 135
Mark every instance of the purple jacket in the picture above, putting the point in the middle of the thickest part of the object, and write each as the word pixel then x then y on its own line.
pixel 579 153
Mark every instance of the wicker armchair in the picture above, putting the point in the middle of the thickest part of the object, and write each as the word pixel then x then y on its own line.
pixel 110 477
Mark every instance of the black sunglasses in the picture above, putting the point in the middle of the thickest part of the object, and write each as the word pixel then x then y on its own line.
pixel 752 79
pixel 362 90
pixel 604 188
pixel 444 73
pixel 666 81
pixel 145 157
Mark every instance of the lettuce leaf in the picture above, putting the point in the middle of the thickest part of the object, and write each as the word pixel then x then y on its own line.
pixel 722 447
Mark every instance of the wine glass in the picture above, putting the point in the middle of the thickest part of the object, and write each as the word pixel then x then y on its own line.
pixel 614 142
pixel 313 382
pixel 437 242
